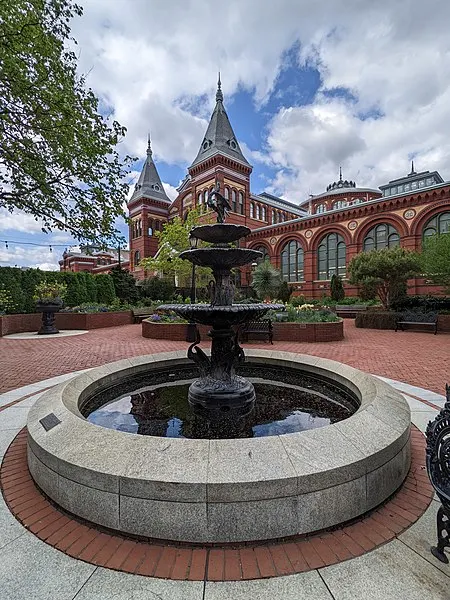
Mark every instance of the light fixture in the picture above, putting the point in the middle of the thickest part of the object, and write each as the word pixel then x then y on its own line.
pixel 193 241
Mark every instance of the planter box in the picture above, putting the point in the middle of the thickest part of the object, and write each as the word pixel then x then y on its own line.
pixel 291 332
pixel 386 320
pixel 32 322
pixel 308 332
pixel 443 322
pixel 170 331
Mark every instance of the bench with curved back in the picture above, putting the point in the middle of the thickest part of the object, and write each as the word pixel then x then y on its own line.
pixel 438 468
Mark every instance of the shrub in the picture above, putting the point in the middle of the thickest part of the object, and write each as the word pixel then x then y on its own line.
pixel 376 320
pixel 336 288
pixel 105 289
pixel 284 292
pixel 157 288
pixel 425 303
pixel 266 280
pixel 6 302
pixel 47 292
pixel 124 285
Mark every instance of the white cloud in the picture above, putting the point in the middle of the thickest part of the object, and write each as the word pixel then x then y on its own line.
pixel 30 256
pixel 170 190
pixel 19 221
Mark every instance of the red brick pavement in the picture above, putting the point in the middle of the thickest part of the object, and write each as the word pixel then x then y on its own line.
pixel 418 358
pixel 86 542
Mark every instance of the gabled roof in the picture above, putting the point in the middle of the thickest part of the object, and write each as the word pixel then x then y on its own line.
pixel 274 201
pixel 149 183
pixel 219 137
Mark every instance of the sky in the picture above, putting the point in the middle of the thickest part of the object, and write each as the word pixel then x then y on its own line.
pixel 308 86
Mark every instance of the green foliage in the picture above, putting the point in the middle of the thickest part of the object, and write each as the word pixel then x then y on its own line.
pixel 157 288
pixel 337 288
pixel 307 314
pixel 284 292
pixel 91 287
pixel 376 320
pixel 105 289
pixel 173 239
pixel 388 270
pixel 76 288
pixel 368 291
pixel 124 285
pixel 266 280
pixel 435 259
pixel 57 152
pixel 48 291
pixel 10 280
pixel 423 303
pixel 6 301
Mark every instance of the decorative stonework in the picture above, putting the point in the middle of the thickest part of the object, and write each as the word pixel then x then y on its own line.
pixel 273 241
pixel 308 234
pixel 409 214
pixel 352 225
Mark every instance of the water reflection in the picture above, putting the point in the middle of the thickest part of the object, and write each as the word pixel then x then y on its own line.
pixel 164 411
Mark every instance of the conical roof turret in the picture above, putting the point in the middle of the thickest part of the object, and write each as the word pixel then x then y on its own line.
pixel 219 137
pixel 149 184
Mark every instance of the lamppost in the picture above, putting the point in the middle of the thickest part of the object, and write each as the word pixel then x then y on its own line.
pixel 191 335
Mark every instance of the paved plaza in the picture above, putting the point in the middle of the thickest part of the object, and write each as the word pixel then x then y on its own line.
pixel 415 363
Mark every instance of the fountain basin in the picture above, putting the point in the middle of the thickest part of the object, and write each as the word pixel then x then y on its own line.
pixel 220 490
pixel 220 316
pixel 220 233
pixel 221 258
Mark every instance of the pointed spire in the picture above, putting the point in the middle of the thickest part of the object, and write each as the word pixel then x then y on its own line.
pixel 340 173
pixel 219 95
pixel 412 168
pixel 149 147
pixel 219 137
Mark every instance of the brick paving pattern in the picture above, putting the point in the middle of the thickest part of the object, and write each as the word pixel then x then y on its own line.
pixel 85 542
pixel 417 358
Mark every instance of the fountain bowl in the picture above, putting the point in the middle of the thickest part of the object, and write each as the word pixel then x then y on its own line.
pixel 219 490
pixel 220 316
pixel 220 233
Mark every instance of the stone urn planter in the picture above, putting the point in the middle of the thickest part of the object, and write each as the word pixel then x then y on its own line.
pixel 48 296
pixel 48 310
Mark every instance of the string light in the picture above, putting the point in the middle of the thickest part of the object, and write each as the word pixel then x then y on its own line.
pixel 49 246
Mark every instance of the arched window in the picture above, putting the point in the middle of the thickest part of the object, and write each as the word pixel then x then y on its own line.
pixel 150 227
pixel 258 214
pixel 140 227
pixel 252 210
pixel 381 236
pixel 321 208
pixel 292 262
pixel 199 200
pixel 137 258
pixel 331 256
pixel 226 193
pixel 274 217
pixel 265 253
pixel 241 203
pixel 263 213
pixel 233 201
pixel 438 224
pixel 340 204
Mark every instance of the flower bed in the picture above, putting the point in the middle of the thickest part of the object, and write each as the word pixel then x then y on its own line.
pixel 31 322
pixel 292 332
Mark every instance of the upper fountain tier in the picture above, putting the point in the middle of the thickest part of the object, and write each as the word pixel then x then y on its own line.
pixel 220 258
pixel 220 233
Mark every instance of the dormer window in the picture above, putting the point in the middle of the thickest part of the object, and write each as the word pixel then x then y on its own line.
pixel 156 187
pixel 206 144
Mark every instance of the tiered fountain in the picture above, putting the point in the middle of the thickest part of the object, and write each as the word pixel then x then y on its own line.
pixel 114 445
pixel 219 389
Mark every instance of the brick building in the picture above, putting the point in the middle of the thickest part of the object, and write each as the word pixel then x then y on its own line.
pixel 93 259
pixel 308 240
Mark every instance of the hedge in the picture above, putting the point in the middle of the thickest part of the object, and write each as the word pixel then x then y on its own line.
pixel 82 287
pixel 376 319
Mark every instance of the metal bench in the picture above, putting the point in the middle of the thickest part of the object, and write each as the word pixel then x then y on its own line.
pixel 418 319
pixel 139 314
pixel 438 468
pixel 349 310
pixel 254 328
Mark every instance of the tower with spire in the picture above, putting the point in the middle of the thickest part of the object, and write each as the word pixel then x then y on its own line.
pixel 220 159
pixel 148 210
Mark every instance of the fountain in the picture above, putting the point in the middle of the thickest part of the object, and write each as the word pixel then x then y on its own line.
pixel 180 448
pixel 219 389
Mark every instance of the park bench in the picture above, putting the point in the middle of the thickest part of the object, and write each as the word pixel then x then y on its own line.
pixel 425 320
pixel 349 310
pixel 262 327
pixel 139 314
pixel 438 468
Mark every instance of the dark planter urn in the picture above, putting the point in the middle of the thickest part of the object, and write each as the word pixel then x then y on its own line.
pixel 48 310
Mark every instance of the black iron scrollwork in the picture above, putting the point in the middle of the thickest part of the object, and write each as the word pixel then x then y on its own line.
pixel 438 468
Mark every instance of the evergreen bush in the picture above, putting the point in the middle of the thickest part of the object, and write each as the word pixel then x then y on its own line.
pixel 336 288
pixel 105 289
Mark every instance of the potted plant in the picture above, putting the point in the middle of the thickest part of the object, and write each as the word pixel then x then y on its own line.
pixel 48 296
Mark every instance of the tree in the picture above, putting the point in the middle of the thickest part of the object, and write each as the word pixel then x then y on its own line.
pixel 173 239
pixel 436 259
pixel 387 270
pixel 266 280
pixel 156 288
pixel 336 288
pixel 284 292
pixel 124 285
pixel 57 153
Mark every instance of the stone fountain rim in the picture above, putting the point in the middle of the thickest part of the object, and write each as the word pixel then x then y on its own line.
pixel 194 490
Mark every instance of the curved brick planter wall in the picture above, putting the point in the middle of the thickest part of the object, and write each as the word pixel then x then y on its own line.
pixel 290 332
pixel 32 322
pixel 217 491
